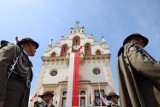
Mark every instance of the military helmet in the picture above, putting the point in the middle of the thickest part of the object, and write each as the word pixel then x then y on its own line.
pixel 136 35
pixel 46 94
pixel 27 39
pixel 111 94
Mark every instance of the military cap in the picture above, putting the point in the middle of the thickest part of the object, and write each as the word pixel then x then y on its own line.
pixel 46 94
pixel 136 35
pixel 4 42
pixel 27 39
pixel 111 94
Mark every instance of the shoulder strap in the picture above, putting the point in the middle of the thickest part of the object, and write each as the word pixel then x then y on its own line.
pixel 109 105
pixel 151 59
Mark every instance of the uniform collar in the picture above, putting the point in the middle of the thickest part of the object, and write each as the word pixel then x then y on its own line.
pixel 110 102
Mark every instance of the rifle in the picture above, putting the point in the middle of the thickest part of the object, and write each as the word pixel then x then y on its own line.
pixel 15 60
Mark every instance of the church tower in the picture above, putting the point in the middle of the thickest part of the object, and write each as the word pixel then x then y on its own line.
pixel 92 64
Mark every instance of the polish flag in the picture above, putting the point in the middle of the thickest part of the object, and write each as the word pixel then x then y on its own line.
pixel 67 48
pixel 103 100
pixel 90 98
pixel 73 78
pixel 54 98
pixel 34 96
pixel 80 47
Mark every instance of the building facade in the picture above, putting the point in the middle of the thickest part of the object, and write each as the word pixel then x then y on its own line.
pixel 95 73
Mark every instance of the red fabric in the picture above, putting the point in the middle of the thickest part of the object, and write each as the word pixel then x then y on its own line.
pixel 103 100
pixel 67 48
pixel 34 96
pixel 80 48
pixel 75 93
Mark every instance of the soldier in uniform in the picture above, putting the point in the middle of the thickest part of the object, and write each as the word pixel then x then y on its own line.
pixel 16 72
pixel 139 74
pixel 47 99
pixel 112 98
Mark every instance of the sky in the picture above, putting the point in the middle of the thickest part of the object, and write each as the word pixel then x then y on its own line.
pixel 44 20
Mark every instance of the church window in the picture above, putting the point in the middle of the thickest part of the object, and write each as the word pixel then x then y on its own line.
pixel 97 101
pixel 64 94
pixel 53 73
pixel 98 52
pixel 82 31
pixel 96 71
pixel 64 50
pixel 76 40
pixel 82 98
pixel 53 54
pixel 87 49
pixel 76 43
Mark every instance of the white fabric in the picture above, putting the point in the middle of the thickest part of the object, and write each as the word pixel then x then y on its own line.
pixel 104 100
pixel 70 80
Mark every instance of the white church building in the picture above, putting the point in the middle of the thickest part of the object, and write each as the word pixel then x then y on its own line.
pixel 77 68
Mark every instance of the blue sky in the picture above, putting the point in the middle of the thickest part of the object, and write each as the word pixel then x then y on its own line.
pixel 112 19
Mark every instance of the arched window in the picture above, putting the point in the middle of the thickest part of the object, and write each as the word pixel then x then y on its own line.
pixel 76 43
pixel 64 50
pixel 98 52
pixel 87 49
pixel 53 54
pixel 76 40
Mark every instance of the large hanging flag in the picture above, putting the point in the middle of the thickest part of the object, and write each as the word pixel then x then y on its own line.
pixel 103 100
pixel 73 79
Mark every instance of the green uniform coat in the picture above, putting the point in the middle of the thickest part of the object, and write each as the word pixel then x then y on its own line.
pixel 138 75
pixel 13 92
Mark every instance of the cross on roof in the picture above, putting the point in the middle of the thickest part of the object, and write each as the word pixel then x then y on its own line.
pixel 77 22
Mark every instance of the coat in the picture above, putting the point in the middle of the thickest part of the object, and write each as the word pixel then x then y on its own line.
pixel 111 104
pixel 139 77
pixel 14 91
pixel 41 104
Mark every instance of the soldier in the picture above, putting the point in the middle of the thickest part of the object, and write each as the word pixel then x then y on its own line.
pixel 16 72
pixel 47 99
pixel 139 74
pixel 112 98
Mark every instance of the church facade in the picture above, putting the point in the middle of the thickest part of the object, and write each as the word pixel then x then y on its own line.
pixel 94 71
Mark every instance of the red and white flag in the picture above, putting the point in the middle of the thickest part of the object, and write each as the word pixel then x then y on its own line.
pixel 90 99
pixel 73 79
pixel 67 48
pixel 54 98
pixel 80 47
pixel 103 100
pixel 34 96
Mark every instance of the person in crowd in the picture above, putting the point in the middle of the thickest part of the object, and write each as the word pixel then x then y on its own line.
pixel 16 72
pixel 112 98
pixel 47 100
pixel 139 74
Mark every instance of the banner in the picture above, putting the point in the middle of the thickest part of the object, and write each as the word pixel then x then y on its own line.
pixel 73 81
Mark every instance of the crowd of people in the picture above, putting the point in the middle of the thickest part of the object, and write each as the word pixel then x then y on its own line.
pixel 138 75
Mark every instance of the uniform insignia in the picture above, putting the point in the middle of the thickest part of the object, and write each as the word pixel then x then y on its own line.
pixel 132 48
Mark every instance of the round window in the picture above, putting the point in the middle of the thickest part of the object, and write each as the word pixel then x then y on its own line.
pixel 53 73
pixel 96 71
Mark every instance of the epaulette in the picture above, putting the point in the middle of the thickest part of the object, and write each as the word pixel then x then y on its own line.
pixel 144 53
